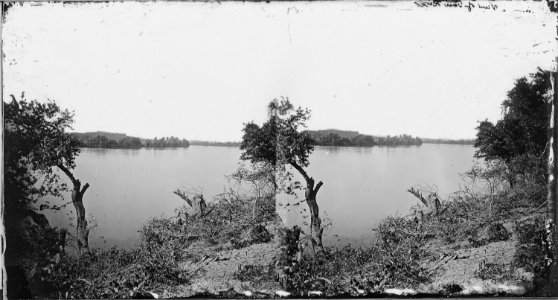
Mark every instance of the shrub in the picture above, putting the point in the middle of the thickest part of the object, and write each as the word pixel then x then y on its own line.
pixel 494 272
pixel 399 250
pixel 113 273
pixel 154 265
pixel 339 273
pixel 394 260
pixel 532 253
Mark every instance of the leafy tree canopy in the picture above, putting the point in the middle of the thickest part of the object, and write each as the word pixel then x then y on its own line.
pixel 35 141
pixel 524 125
pixel 278 141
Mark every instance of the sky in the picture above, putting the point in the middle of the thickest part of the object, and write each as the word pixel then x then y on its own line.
pixel 201 70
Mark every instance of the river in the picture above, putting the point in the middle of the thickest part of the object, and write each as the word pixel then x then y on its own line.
pixel 361 185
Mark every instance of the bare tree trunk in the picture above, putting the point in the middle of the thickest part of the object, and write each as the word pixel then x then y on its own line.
pixel 82 232
pixel 316 230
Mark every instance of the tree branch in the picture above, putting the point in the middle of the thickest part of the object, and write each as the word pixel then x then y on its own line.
pixel 417 194
pixel 184 197
pixel 68 173
pixel 84 188
pixel 301 171
pixel 318 186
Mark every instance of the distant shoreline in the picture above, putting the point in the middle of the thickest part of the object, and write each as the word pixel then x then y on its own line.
pixel 323 138
pixel 318 146
pixel 449 142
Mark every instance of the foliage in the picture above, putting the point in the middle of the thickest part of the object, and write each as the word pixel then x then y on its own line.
pixel 532 253
pixel 523 127
pixel 529 176
pixel 404 243
pixel 101 141
pixel 514 177
pixel 113 273
pixel 164 243
pixel 167 142
pixel 35 141
pixel 333 137
pixel 448 141
pixel 494 271
pixel 213 143
pixel 338 274
pixel 261 176
pixel 398 140
pixel 394 260
pixel 227 218
pixel 399 246
pixel 278 141
pixel 121 141
pixel 362 140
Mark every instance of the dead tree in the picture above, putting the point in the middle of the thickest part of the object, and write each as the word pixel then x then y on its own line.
pixel 431 202
pixel 316 229
pixel 78 191
pixel 196 204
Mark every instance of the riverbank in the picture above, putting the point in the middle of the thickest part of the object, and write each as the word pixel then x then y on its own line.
pixel 238 247
pixel 494 254
pixel 478 244
pixel 487 264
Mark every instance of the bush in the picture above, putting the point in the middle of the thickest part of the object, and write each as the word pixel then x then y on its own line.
pixel 394 260
pixel 339 273
pixel 399 250
pixel 533 252
pixel 226 218
pixel 494 271
pixel 154 265
pixel 114 273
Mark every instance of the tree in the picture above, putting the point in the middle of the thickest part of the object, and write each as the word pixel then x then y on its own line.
pixel 523 130
pixel 279 143
pixel 262 178
pixel 37 142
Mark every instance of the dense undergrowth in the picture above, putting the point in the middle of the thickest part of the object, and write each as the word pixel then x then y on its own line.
pixel 471 217
pixel 532 254
pixel 153 266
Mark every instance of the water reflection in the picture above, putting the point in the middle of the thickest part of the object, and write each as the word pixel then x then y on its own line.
pixel 104 151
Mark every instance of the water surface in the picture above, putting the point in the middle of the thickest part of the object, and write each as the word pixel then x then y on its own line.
pixel 361 185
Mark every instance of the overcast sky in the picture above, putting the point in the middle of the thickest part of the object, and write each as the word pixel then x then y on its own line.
pixel 201 70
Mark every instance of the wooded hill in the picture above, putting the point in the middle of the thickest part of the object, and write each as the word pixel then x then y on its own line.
pixel 101 139
pixel 334 137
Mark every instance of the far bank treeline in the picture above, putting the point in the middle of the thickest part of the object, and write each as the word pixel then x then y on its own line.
pixel 122 141
pixel 327 137
pixel 334 137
